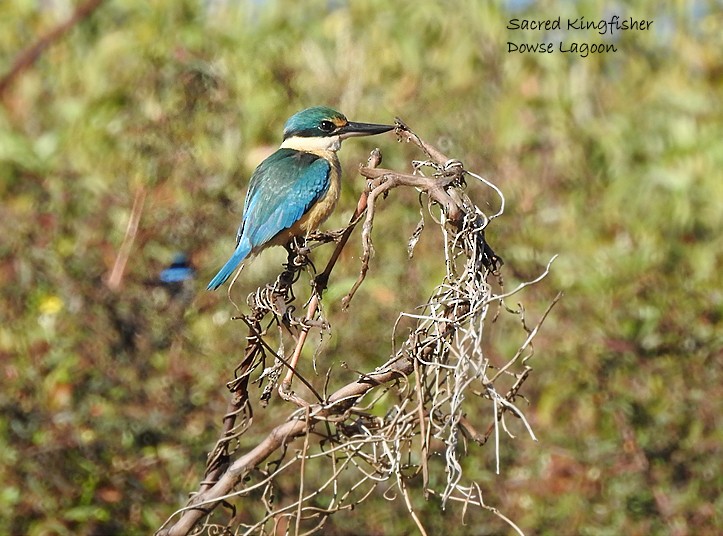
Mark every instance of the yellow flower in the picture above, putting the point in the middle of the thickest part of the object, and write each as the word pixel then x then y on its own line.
pixel 51 305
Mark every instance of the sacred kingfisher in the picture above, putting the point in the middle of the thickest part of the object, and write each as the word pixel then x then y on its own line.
pixel 295 189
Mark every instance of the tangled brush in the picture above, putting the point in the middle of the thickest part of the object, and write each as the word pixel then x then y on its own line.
pixel 391 426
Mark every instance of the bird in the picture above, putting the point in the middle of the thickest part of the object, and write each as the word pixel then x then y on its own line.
pixel 296 189
pixel 178 271
pixel 177 279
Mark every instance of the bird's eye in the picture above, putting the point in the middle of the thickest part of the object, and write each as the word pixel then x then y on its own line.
pixel 326 126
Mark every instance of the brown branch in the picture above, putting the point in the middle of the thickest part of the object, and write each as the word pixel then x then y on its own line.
pixel 30 55
pixel 375 158
pixel 384 180
pixel 115 277
pixel 435 187
pixel 203 503
pixel 285 387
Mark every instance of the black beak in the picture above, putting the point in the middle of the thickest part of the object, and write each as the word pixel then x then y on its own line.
pixel 362 129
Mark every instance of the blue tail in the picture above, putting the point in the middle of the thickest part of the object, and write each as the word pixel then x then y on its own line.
pixel 242 251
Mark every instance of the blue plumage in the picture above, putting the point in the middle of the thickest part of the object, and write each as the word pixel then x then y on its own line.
pixel 299 180
pixel 179 271
pixel 242 251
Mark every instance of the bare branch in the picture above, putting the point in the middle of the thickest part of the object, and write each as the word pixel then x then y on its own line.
pixel 202 503
pixel 115 278
pixel 425 387
pixel 30 55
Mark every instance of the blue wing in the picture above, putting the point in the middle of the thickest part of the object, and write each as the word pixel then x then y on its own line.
pixel 282 189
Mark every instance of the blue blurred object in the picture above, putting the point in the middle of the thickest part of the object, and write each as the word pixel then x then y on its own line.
pixel 179 271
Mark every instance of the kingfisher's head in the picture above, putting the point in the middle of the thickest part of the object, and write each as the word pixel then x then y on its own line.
pixel 321 128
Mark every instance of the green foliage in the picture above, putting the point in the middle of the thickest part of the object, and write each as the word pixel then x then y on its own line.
pixel 111 400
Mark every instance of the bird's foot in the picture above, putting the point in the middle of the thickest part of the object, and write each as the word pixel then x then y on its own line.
pixel 298 254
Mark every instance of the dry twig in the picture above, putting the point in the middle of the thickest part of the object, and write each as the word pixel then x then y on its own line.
pixel 426 386
pixel 31 54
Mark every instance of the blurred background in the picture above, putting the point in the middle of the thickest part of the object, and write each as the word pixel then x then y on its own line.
pixel 130 138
